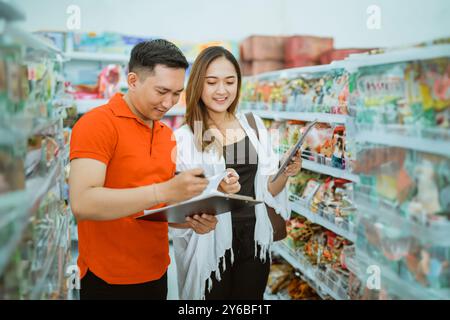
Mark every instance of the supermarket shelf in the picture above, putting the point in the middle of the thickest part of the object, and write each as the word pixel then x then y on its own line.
pixel 84 106
pixel 102 57
pixel 410 54
pixel 44 125
pixel 10 199
pixel 302 116
pixel 36 188
pixel 66 155
pixel 402 288
pixel 418 144
pixel 29 125
pixel 388 215
pixel 276 296
pixel 320 168
pixel 308 271
pixel 315 218
pixel 7 137
pixel 31 41
pixel 287 254
pixel 361 60
pixel 97 56
pixel 10 12
pixel 279 74
pixel 40 285
pixel 337 173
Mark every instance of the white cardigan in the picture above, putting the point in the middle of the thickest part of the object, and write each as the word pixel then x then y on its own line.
pixel 197 256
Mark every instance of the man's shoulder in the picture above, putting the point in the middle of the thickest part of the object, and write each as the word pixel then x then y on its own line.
pixel 99 117
pixel 101 112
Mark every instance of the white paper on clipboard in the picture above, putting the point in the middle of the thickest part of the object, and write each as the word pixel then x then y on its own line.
pixel 210 201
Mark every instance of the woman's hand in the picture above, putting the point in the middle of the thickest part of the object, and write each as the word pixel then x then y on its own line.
pixel 294 167
pixel 202 224
pixel 230 184
pixel 291 170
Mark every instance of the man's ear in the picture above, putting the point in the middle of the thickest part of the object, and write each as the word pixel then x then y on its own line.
pixel 132 80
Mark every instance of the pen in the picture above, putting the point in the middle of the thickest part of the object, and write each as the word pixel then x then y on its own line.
pixel 198 176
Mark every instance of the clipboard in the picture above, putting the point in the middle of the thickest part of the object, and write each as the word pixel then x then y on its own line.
pixel 214 203
pixel 297 146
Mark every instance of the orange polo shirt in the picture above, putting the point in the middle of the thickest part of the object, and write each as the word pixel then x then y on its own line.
pixel 124 251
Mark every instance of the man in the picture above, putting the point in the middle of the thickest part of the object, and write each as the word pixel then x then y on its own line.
pixel 121 164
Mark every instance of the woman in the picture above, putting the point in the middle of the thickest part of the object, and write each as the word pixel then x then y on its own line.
pixel 233 261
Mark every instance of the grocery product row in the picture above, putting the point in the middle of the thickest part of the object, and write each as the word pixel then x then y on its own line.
pixel 34 215
pixel 385 135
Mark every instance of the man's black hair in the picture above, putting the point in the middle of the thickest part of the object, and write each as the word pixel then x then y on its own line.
pixel 146 55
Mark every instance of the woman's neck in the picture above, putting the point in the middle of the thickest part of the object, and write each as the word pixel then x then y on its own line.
pixel 219 118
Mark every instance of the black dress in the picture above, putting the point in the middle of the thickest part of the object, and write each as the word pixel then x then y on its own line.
pixel 242 157
pixel 246 279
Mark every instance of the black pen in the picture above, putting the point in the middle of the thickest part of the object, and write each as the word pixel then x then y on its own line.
pixel 198 176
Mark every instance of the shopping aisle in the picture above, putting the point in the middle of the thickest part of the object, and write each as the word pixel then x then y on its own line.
pixel 370 206
pixel 34 215
pixel 370 209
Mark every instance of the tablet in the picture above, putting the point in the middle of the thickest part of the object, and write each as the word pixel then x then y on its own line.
pixel 214 204
pixel 297 146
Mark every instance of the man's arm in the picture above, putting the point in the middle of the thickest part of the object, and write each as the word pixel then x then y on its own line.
pixel 91 200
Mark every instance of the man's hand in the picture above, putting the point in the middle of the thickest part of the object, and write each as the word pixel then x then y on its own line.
pixel 230 184
pixel 183 186
pixel 202 224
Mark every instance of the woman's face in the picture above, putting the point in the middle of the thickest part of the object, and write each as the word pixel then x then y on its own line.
pixel 220 85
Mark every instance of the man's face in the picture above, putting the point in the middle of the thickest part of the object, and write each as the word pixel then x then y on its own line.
pixel 153 94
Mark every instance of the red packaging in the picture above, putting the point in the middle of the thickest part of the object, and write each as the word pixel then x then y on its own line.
pixel 256 67
pixel 266 66
pixel 341 54
pixel 246 68
pixel 299 62
pixel 307 47
pixel 263 48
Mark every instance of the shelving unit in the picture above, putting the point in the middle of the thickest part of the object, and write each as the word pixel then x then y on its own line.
pixel 33 220
pixel 36 189
pixel 84 106
pixel 419 138
pixel 414 143
pixel 97 57
pixel 403 289
pixel 300 208
pixel 322 168
pixel 10 13
pixel 403 236
pixel 330 171
pixel 311 273
pixel 302 116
